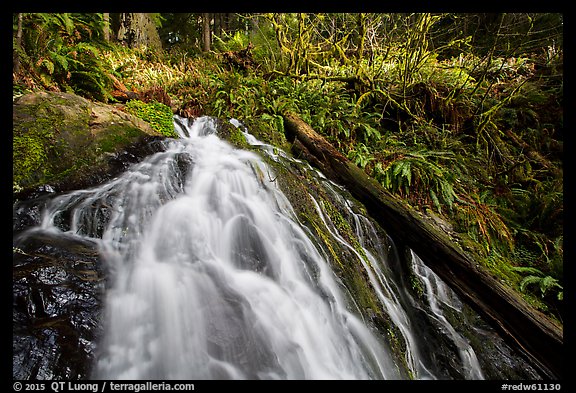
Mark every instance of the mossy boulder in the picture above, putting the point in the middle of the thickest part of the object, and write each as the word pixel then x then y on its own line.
pixel 68 142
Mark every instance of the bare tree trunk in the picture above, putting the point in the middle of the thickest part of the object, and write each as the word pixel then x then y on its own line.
pixel 226 22
pixel 16 56
pixel 254 24
pixel 220 29
pixel 106 30
pixel 206 32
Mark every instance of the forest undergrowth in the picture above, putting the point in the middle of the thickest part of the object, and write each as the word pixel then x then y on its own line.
pixel 471 139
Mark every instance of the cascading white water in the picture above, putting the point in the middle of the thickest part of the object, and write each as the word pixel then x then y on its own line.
pixel 375 262
pixel 211 276
pixel 438 294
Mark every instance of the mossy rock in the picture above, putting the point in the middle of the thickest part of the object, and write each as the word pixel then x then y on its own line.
pixel 68 142
pixel 158 115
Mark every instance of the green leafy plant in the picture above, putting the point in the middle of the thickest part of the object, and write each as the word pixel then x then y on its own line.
pixel 231 42
pixel 418 173
pixel 61 50
pixel 360 155
pixel 544 282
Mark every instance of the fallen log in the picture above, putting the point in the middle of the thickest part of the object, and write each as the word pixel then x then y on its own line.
pixel 520 324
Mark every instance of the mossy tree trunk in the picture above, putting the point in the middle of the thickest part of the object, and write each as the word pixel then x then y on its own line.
pixel 138 30
pixel 16 55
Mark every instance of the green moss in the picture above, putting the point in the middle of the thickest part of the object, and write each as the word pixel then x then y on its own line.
pixel 294 182
pixel 416 285
pixel 344 228
pixel 238 139
pixel 268 132
pixel 28 157
pixel 157 114
pixel 398 345
pixel 31 143
pixel 347 265
pixel 326 241
pixel 63 139
pixel 234 136
pixel 118 135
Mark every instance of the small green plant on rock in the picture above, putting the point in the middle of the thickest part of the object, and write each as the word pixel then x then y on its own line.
pixel 157 114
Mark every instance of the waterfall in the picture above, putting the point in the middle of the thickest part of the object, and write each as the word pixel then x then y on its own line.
pixel 207 275
pixel 376 264
pixel 212 275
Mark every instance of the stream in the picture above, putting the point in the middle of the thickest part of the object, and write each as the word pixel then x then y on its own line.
pixel 194 264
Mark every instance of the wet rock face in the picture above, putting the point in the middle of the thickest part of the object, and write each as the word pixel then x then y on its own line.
pixel 57 286
pixel 58 279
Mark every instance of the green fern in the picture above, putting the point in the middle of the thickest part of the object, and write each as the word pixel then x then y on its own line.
pixel 360 155
pixel 231 42
pixel 435 201
pixel 60 51
pixel 421 175
pixel 544 282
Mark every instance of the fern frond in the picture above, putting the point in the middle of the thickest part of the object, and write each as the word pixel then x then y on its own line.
pixel 59 59
pixel 435 201
pixel 548 283
pixel 528 270
pixel 47 64
pixel 528 280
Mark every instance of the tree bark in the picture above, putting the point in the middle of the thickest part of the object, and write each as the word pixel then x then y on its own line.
pixel 206 32
pixel 16 56
pixel 106 30
pixel 524 327
pixel 254 25
pixel 138 30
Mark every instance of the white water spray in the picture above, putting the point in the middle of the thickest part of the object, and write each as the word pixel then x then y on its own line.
pixel 211 276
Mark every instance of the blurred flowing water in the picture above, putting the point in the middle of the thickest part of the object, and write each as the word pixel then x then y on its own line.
pixel 211 275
